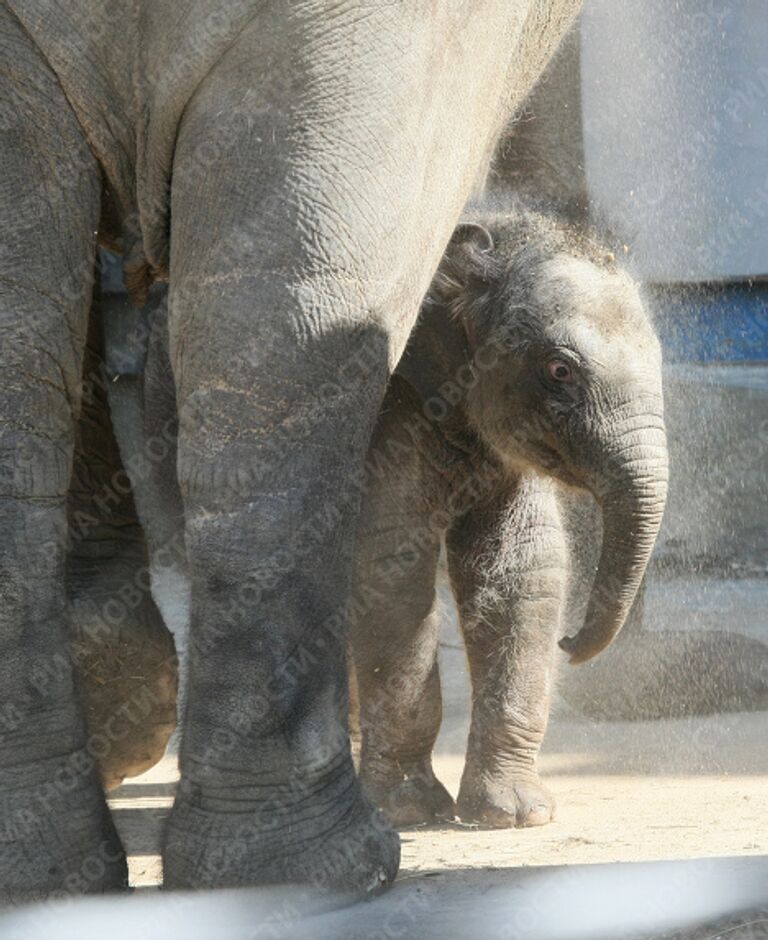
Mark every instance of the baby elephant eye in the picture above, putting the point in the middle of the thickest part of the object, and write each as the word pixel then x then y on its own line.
pixel 559 370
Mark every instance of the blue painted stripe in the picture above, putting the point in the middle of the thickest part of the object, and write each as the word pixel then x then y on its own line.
pixel 727 323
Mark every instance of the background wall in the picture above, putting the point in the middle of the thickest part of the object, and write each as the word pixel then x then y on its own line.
pixel 675 108
pixel 674 105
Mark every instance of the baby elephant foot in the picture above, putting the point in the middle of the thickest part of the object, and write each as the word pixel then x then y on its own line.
pixel 517 802
pixel 410 801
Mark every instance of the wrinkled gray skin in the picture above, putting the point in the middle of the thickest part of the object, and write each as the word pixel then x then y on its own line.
pixel 296 171
pixel 476 437
pixel 644 675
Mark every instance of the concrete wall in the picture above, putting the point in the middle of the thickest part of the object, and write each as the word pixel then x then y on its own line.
pixel 675 109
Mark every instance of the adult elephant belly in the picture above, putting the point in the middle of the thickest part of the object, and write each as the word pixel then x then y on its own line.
pixel 346 141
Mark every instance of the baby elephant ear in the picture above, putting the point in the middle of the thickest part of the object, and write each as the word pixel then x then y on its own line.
pixel 467 258
pixel 470 252
pixel 473 236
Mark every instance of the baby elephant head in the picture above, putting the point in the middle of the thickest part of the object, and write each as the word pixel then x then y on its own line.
pixel 573 388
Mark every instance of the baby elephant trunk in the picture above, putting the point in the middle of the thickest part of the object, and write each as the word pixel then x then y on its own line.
pixel 632 506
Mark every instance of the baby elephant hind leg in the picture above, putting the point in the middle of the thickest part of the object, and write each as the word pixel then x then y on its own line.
pixel 508 567
pixel 400 714
pixel 124 653
pixel 395 629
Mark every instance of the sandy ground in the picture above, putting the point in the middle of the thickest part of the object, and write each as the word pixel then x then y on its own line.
pixel 612 806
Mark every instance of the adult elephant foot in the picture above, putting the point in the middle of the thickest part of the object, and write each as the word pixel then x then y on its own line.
pixel 671 674
pixel 282 841
pixel 82 855
pixel 515 802
pixel 414 799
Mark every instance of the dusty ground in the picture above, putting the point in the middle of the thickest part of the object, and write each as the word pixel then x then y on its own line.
pixel 693 789
pixel 613 804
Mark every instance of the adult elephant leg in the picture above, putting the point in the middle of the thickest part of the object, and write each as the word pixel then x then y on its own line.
pixel 510 610
pixel 394 630
pixel 344 149
pixel 124 652
pixel 56 833
pixel 268 790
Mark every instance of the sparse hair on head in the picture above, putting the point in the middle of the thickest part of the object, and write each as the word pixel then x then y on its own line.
pixel 497 261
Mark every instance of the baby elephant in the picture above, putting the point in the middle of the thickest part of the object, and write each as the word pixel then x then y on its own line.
pixel 533 365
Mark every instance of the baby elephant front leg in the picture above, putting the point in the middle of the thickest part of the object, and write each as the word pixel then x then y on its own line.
pixel 508 569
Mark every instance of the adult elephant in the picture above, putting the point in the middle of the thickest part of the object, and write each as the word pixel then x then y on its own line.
pixel 295 171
